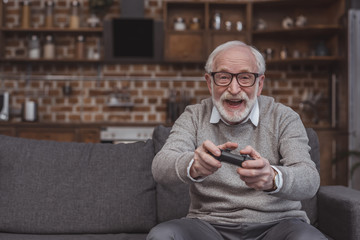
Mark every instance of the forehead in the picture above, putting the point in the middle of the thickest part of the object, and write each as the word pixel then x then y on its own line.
pixel 235 59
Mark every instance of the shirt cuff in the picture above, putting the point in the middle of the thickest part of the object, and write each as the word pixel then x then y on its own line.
pixel 281 181
pixel 188 173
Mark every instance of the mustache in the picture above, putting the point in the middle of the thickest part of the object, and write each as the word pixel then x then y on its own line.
pixel 240 96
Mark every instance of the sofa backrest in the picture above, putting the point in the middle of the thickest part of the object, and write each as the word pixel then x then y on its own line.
pixel 49 187
pixel 173 202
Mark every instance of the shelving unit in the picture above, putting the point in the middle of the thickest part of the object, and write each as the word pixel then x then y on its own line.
pixel 323 25
pixel 63 37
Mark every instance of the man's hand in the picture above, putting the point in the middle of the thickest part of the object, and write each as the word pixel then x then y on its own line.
pixel 257 173
pixel 204 164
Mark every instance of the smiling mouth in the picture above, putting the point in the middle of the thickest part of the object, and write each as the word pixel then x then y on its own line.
pixel 234 102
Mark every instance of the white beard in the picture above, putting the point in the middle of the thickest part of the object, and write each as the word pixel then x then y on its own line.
pixel 234 116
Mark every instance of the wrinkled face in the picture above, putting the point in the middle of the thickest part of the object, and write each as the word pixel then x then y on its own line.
pixel 234 102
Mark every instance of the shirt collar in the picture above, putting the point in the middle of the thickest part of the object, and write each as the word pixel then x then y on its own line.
pixel 253 116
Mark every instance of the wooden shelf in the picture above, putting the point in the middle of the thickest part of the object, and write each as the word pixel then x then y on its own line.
pixel 307 60
pixel 301 31
pixel 51 30
pixel 50 61
pixel 322 25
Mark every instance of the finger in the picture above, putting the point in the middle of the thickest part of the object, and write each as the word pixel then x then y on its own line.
pixel 248 173
pixel 211 147
pixel 208 160
pixel 256 163
pixel 259 179
pixel 228 145
pixel 251 151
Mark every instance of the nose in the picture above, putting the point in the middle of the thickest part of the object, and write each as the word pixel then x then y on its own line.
pixel 234 88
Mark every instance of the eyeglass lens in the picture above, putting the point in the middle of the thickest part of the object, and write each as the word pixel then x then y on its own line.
pixel 225 78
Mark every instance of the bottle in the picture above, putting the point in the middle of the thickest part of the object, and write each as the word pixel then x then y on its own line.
pixel 283 53
pixel 179 24
pixel 217 21
pixel 228 25
pixel 74 16
pixel 49 48
pixel 80 47
pixel 25 14
pixel 239 26
pixel 195 23
pixel 34 47
pixel 49 16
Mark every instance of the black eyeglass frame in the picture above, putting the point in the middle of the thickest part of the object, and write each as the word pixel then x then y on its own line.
pixel 256 75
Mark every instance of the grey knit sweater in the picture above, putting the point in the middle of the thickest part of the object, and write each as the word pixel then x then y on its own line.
pixel 223 197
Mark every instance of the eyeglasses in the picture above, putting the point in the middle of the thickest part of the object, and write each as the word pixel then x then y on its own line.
pixel 245 79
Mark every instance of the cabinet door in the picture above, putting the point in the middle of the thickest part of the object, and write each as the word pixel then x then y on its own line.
pixel 88 135
pixel 8 131
pixel 62 135
pixel 333 171
pixel 217 38
pixel 184 47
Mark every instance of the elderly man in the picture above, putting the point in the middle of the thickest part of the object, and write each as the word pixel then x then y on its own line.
pixel 260 199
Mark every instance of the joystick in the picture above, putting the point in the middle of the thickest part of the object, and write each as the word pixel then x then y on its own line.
pixel 235 159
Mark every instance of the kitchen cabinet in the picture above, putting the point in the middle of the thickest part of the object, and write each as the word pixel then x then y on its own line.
pixel 333 169
pixel 88 135
pixel 184 45
pixel 8 131
pixel 309 31
pixel 56 134
pixel 52 131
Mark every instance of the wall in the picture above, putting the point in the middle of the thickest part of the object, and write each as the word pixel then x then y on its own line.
pixel 149 84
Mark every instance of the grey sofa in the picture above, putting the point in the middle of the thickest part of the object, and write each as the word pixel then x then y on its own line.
pixel 64 191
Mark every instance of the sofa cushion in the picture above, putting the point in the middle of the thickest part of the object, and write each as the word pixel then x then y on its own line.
pixel 49 187
pixel 173 202
pixel 120 236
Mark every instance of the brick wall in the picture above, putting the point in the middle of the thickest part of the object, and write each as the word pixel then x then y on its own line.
pixel 149 85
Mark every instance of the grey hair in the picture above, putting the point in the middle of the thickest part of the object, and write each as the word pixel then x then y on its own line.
pixel 260 61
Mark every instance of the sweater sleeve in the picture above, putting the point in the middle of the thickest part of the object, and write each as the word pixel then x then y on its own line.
pixel 170 164
pixel 301 179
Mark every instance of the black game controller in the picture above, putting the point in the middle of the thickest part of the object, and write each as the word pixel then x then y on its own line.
pixel 235 159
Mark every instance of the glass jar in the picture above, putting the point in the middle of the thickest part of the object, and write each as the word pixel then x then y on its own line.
pixel 239 26
pixel 75 15
pixel 283 53
pixel 34 47
pixel 49 14
pixel 228 25
pixel 217 21
pixel 80 47
pixel 25 14
pixel 195 23
pixel 49 48
pixel 179 24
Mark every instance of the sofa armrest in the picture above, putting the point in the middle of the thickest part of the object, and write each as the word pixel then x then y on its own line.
pixel 339 212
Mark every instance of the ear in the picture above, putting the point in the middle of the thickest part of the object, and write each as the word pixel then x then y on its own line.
pixel 261 84
pixel 208 81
